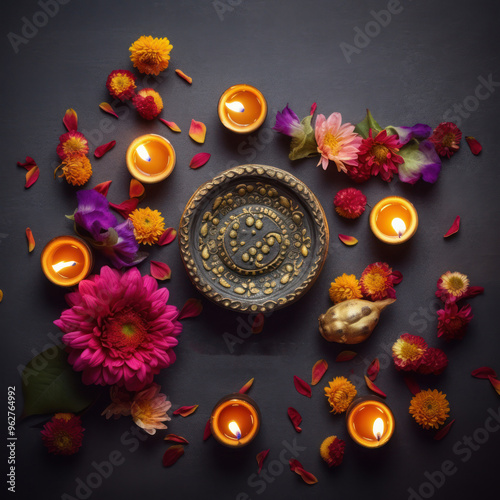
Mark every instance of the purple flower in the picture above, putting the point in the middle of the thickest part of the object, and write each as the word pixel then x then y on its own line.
pixel 421 160
pixel 288 123
pixel 93 213
pixel 121 247
pixel 420 131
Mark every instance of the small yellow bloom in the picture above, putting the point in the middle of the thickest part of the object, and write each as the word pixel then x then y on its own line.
pixel 345 287
pixel 150 55
pixel 455 283
pixel 148 225
pixel 430 408
pixel 340 394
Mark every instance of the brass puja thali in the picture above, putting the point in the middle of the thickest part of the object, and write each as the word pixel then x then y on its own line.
pixel 253 239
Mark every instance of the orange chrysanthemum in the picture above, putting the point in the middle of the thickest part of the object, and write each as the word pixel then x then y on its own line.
pixel 345 287
pixel 430 408
pixel 77 170
pixel 150 55
pixel 149 409
pixel 340 394
pixel 376 281
pixel 121 84
pixel 72 143
pixel 148 103
pixel 148 225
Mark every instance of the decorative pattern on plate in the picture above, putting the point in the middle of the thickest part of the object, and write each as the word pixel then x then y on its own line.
pixel 254 238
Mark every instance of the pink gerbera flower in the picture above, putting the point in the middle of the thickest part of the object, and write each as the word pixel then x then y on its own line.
pixel 336 142
pixel 119 329
pixel 452 322
pixel 380 154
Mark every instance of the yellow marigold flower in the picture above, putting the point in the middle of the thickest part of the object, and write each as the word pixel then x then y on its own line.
pixel 150 55
pixel 148 225
pixel 340 394
pixel 345 287
pixel 77 170
pixel 429 408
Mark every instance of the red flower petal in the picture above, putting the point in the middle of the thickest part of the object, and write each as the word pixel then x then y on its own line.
pixel 247 386
pixel 496 384
pixel 103 187
pixel 107 109
pixel 412 384
pixel 173 454
pixel 345 356
pixel 197 131
pixel 373 369
pixel 454 227
pixel 176 439
pixel 374 388
pixel 441 433
pixel 70 120
pixel 32 176
pixel 31 240
pixel 125 208
pixel 191 309
pixel 296 466
pixel 302 387
pixel 29 164
pixel 348 240
pixel 184 76
pixel 171 125
pixel 208 431
pixel 185 411
pixel 318 370
pixel 167 237
pixel 103 149
pixel 397 277
pixel 313 108
pixel 260 459
pixel 258 323
pixel 159 270
pixel 484 372
pixel 199 160
pixel 136 189
pixel 474 145
pixel 295 417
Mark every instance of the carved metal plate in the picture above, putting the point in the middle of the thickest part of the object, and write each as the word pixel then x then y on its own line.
pixel 254 238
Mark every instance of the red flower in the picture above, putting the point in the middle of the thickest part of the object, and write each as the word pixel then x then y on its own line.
pixel 350 203
pixel 378 280
pixel 121 84
pixel 148 103
pixel 63 434
pixel 408 352
pixel 455 286
pixel 453 322
pixel 433 361
pixel 72 144
pixel 446 139
pixel 380 154
pixel 360 173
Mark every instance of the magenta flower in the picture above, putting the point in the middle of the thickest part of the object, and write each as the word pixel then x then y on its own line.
pixel 93 214
pixel 453 322
pixel 288 123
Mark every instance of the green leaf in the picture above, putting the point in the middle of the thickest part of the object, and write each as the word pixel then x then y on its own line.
pixel 50 385
pixel 304 146
pixel 363 128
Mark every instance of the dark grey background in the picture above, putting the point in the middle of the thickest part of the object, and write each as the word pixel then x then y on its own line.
pixel 427 59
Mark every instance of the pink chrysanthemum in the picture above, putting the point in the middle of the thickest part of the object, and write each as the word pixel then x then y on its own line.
pixel 119 329
pixel 336 142
pixel 378 280
pixel 350 203
pixel 149 409
pixel 63 434
pixel 453 322
pixel 380 154
pixel 446 139
pixel 408 352
pixel 455 286
pixel 433 361
pixel 72 144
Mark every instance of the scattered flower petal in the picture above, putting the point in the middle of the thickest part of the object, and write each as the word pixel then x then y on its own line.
pixel 412 384
pixel 441 433
pixel 160 270
pixel 260 459
pixel 318 370
pixel 474 145
pixel 125 208
pixel 247 386
pixel 199 160
pixel 171 125
pixel 484 372
pixel 295 417
pixel 302 387
pixel 313 108
pixel 374 388
pixel 103 149
pixel 307 477
pixel 32 176
pixel 176 439
pixel 29 164
pixel 348 240
pixel 107 109
pixel 70 120
pixel 103 187
pixel 197 131
pixel 1 295
pixel 496 384
pixel 136 189
pixel 167 236
pixel 184 76
pixel 208 431
pixel 31 240
pixel 172 454
pixel 373 369
pixel 345 356
pixel 191 309
pixel 258 324
pixel 185 411
pixel 454 227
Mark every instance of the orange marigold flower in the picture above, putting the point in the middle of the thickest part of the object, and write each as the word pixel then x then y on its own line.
pixel 72 144
pixel 340 394
pixel 332 450
pixel 148 103
pixel 148 225
pixel 77 170
pixel 149 409
pixel 63 434
pixel 430 408
pixel 377 281
pixel 150 55
pixel 121 84
pixel 345 287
